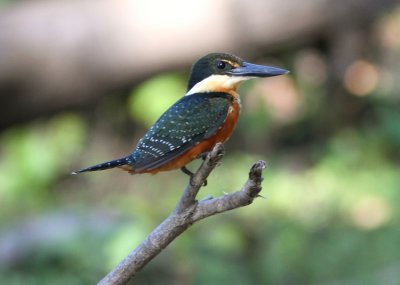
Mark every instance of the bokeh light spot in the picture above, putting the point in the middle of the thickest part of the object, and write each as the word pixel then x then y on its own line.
pixel 370 212
pixel 361 78
pixel 311 66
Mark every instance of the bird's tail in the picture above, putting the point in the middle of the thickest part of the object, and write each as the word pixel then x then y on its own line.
pixel 106 165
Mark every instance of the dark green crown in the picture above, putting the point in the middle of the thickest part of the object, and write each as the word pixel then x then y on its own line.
pixel 213 63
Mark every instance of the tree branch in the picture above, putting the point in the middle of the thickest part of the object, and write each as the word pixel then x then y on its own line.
pixel 198 179
pixel 187 212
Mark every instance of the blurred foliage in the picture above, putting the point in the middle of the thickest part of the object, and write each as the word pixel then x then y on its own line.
pixel 164 89
pixel 332 189
pixel 33 158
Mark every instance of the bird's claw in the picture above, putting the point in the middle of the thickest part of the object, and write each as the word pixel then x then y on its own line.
pixel 191 174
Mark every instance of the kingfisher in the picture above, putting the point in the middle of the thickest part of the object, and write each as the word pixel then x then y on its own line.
pixel 206 115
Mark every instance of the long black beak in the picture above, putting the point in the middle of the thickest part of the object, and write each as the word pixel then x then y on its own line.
pixel 255 70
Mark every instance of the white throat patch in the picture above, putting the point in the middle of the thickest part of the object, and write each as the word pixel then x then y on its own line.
pixel 214 82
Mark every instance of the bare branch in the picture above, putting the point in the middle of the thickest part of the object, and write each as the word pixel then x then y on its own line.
pixel 198 179
pixel 188 211
pixel 243 197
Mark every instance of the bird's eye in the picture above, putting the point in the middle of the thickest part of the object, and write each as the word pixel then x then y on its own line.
pixel 221 64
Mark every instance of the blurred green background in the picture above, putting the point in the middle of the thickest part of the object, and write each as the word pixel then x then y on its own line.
pixel 330 136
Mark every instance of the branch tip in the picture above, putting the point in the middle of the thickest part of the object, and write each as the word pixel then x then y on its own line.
pixel 216 154
pixel 260 164
pixel 255 173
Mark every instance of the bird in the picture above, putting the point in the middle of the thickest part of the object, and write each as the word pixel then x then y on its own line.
pixel 206 115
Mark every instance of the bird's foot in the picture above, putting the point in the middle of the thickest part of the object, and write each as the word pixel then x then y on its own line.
pixel 190 173
pixel 203 155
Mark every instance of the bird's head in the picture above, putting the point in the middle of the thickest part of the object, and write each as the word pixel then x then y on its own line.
pixel 222 70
